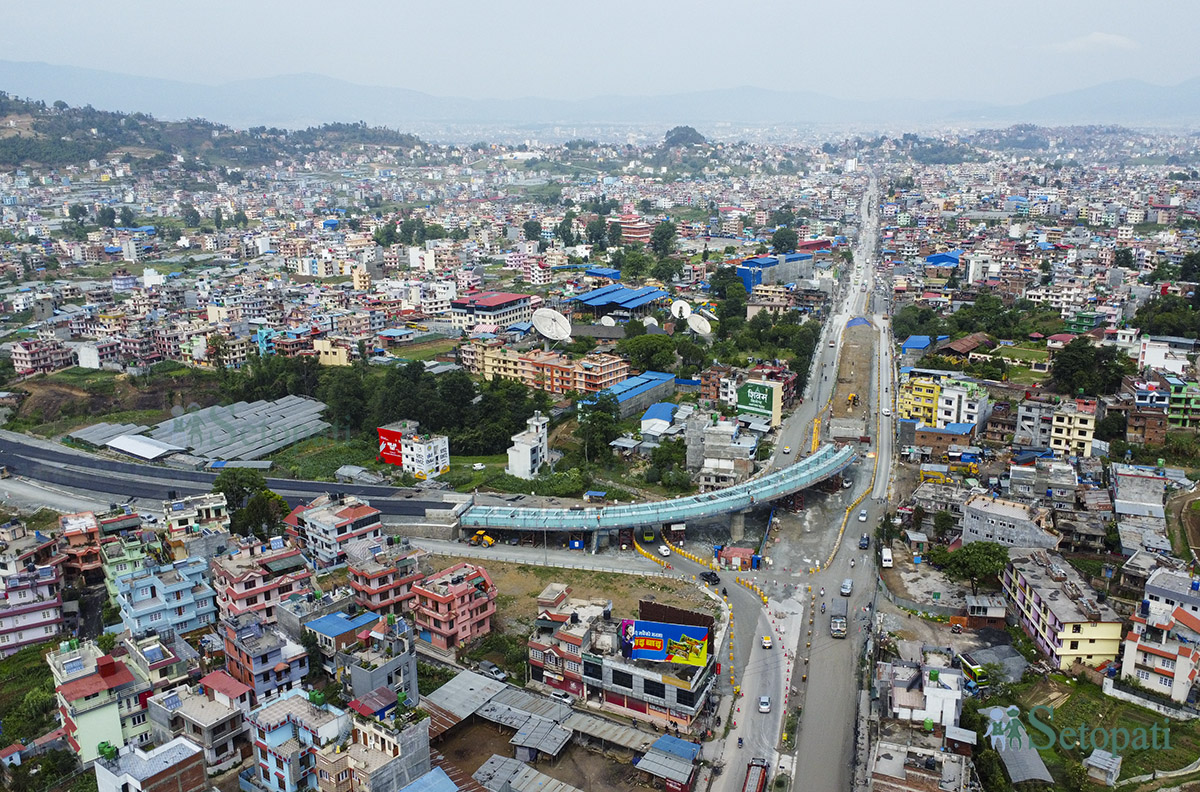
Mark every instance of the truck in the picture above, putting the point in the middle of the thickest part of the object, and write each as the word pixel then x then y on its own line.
pixel 837 618
pixel 758 770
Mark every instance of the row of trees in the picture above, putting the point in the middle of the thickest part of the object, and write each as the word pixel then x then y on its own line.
pixel 988 315
pixel 478 419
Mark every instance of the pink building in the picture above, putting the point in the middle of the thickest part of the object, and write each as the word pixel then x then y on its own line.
pixel 454 607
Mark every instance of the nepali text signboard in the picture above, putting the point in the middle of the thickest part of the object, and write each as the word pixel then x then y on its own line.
pixel 666 643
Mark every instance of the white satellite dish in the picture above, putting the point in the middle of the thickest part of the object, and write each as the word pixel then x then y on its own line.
pixel 608 321
pixel 680 309
pixel 551 324
pixel 699 325
pixel 650 321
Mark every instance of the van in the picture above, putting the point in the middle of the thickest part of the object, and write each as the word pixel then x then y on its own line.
pixel 847 587
pixel 885 558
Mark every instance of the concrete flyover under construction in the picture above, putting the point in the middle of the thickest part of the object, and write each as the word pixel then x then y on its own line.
pixel 828 461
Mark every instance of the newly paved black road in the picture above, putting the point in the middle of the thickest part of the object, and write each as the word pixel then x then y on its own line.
pixel 123 480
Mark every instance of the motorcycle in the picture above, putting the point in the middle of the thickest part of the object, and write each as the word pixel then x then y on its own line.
pixel 822 607
pixel 851 563
pixel 739 742
pixel 724 593
pixel 822 591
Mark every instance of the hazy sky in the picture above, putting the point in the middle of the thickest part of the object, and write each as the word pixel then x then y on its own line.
pixel 1007 51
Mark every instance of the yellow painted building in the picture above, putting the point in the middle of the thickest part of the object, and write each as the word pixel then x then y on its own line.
pixel 1059 611
pixel 331 354
pixel 917 398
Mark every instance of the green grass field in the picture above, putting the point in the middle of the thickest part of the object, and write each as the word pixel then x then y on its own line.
pixel 1021 353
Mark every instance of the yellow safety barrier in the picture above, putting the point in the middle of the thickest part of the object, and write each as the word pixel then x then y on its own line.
pixel 656 559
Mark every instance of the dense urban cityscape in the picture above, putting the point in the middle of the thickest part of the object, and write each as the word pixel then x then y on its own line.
pixel 580 458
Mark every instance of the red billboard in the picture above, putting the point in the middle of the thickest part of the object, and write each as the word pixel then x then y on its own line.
pixel 389 446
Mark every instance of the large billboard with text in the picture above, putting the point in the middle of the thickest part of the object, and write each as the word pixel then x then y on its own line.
pixel 389 446
pixel 664 643
pixel 761 398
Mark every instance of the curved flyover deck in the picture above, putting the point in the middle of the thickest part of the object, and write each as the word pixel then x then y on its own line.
pixel 828 461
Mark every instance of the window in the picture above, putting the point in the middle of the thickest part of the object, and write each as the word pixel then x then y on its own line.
pixel 1168 664
pixel 1143 675
pixel 623 679
pixel 593 670
pixel 654 689
pixel 1164 681
pixel 685 698
pixel 1076 628
pixel 1074 644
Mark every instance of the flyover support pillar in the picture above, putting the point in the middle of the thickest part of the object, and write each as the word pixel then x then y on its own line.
pixel 737 526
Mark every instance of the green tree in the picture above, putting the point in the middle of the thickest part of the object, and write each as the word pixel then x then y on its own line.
pixel 785 240
pixel 597 233
pixel 566 230
pixel 943 523
pixel 240 220
pixel 343 389
pixel 635 327
pixel 634 263
pixel 614 232
pixel 598 425
pixel 385 235
pixel 128 218
pixel 218 352
pixel 312 647
pixel 106 217
pixel 662 239
pixel 106 641
pixel 237 485
pixel 78 213
pixel 1111 427
pixel 1123 258
pixel 666 269
pixel 649 352
pixel 218 218
pixel 977 562
pixel 262 515
pixel 190 216
pixel 1081 367
pixel 533 230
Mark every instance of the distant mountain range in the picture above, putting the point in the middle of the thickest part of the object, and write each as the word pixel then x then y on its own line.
pixel 302 100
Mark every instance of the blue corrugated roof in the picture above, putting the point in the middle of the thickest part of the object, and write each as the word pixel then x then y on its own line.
pixel 603 272
pixel 677 747
pixel 916 342
pixel 620 296
pixel 662 411
pixel 628 388
pixel 435 780
pixel 336 624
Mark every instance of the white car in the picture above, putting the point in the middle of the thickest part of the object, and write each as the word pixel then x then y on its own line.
pixel 764 703
pixel 787 449
pixel 887 412
pixel 479 466
pixel 664 551
pixel 862 515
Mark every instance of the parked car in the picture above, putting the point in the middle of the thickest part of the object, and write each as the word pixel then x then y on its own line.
pixel 488 668
pixel 563 696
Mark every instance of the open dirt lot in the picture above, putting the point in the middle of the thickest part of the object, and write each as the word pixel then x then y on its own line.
pixel 469 746
pixel 854 374
pixel 520 584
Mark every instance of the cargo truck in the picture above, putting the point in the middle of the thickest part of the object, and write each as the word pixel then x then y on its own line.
pixel 837 618
pixel 757 772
